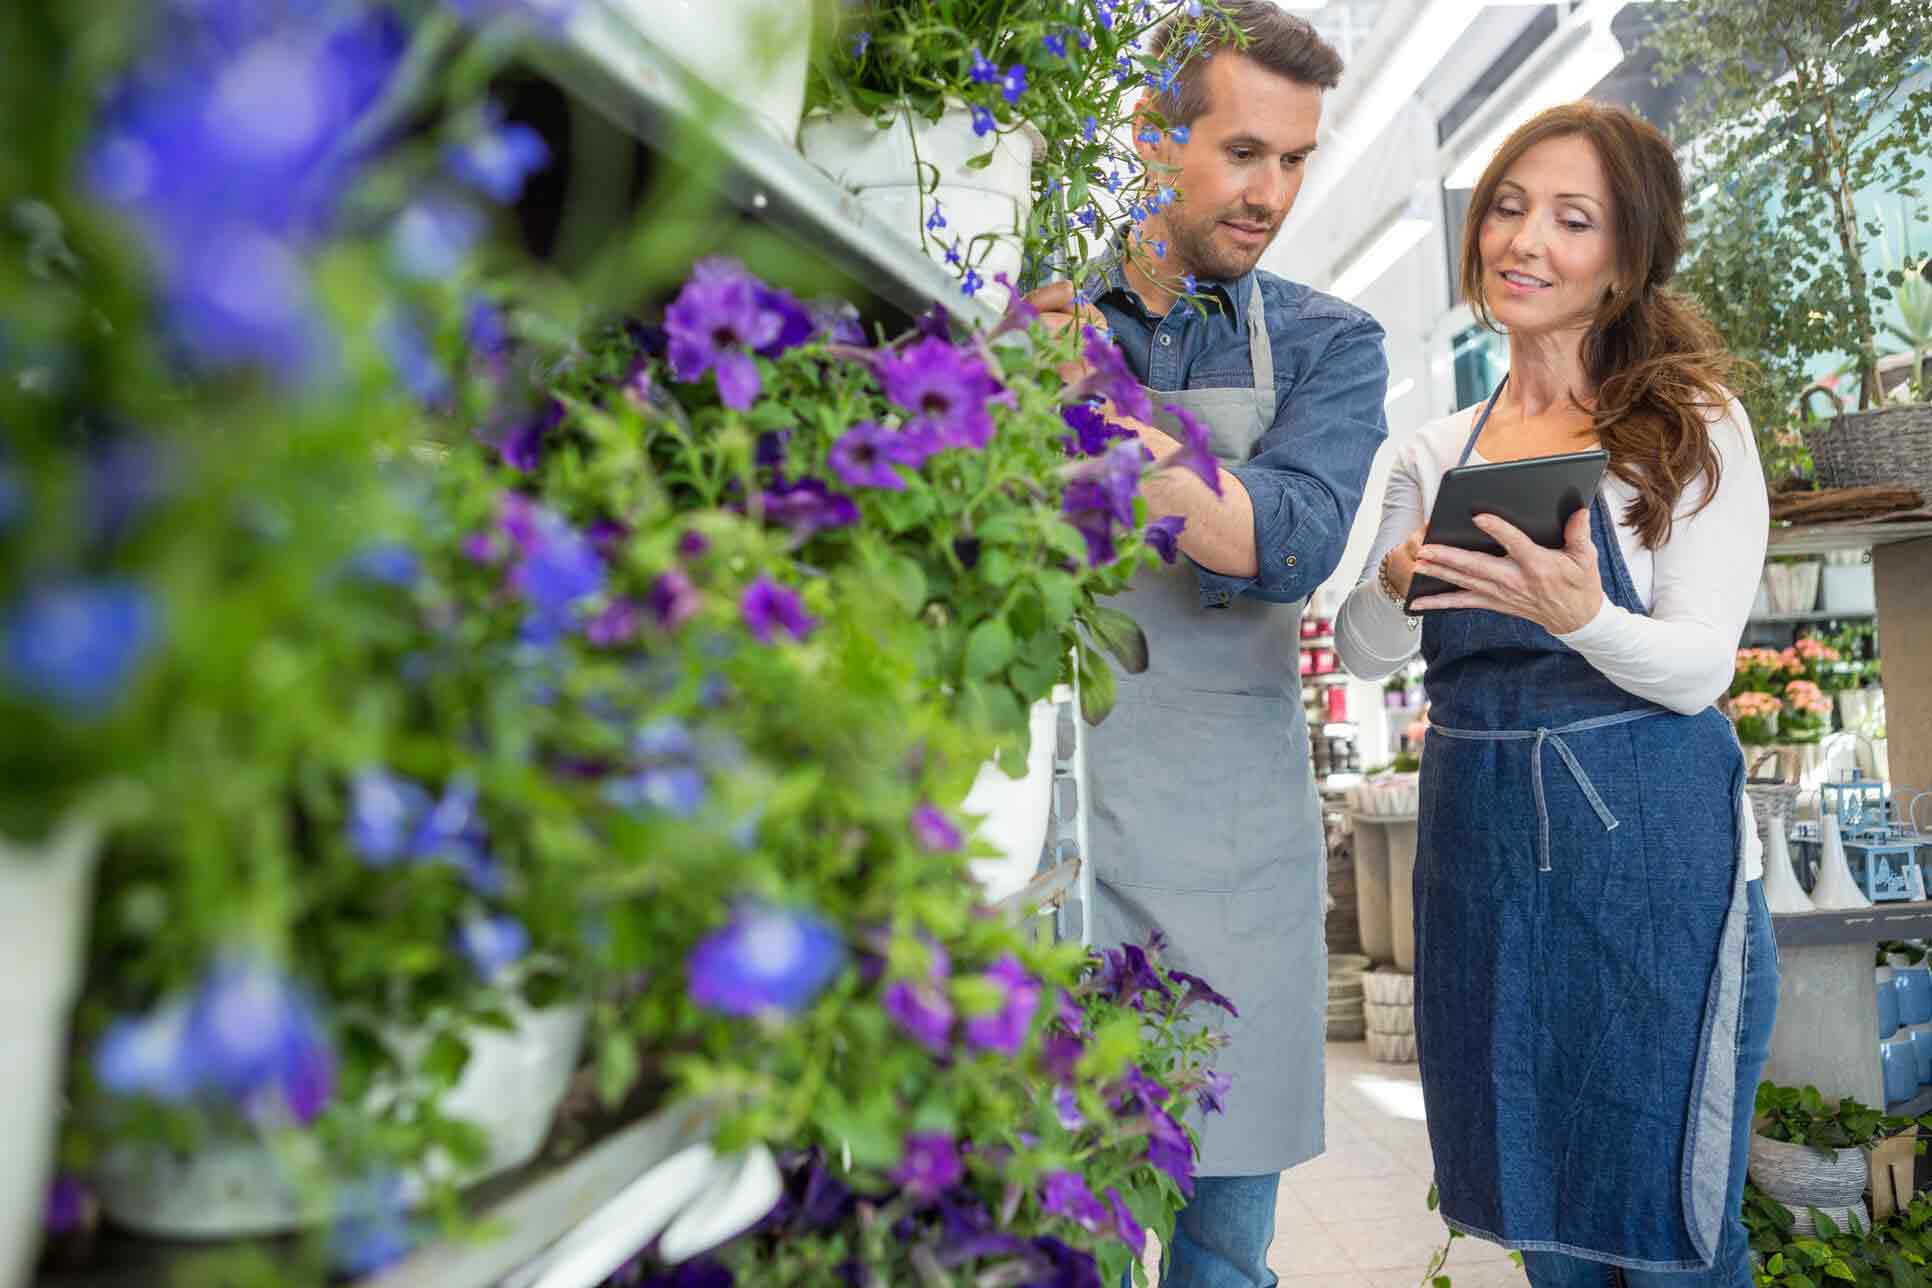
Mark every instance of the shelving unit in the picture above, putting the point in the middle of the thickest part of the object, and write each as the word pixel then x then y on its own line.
pixel 1800 619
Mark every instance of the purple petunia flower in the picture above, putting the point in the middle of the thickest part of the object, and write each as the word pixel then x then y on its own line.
pixel 1169 1149
pixel 969 1232
pixel 1131 1232
pixel 933 830
pixel 618 623
pixel 946 390
pixel 768 606
pixel 252 1035
pixel 674 599
pixel 764 959
pixel 1005 1030
pixel 492 945
pixel 68 1201
pixel 1198 991
pixel 1129 973
pixel 692 544
pixel 500 158
pixel 983 122
pixel 1060 1266
pixel 923 1011
pixel 1163 536
pixel 1066 1106
pixel 1091 429
pixel 929 1166
pixel 866 456
pixel 1065 1195
pixel 983 72
pixel 1109 377
pixel 521 445
pixel 1214 1090
pixel 716 323
pixel 1197 450
pixel 1059 1055
pixel 1101 498
pixel 77 645
pixel 1013 84
pixel 808 507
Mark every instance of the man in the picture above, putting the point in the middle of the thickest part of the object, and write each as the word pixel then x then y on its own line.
pixel 1205 822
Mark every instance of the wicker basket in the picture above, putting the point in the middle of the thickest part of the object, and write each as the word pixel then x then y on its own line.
pixel 1886 446
pixel 1769 802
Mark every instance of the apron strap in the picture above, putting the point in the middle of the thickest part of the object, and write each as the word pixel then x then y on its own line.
pixel 1482 420
pixel 1261 356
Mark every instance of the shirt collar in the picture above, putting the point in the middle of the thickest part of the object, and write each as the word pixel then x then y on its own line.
pixel 1234 295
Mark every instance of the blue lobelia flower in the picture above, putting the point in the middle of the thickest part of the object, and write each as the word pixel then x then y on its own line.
pixel 1149 135
pixel 1005 1030
pixel 983 72
pixel 1055 43
pixel 253 1035
pixel 934 831
pixel 1090 129
pixel 1104 11
pixel 666 772
pixel 860 43
pixel 1180 134
pixel 559 570
pixel 945 389
pixel 936 220
pixel 1160 249
pixel 1124 70
pixel 432 236
pixel 1065 1195
pixel 1196 455
pixel 1163 536
pixel 1013 84
pixel 716 323
pixel 147 1055
pixel 492 945
pixel 983 122
pixel 869 454
pixel 1163 197
pixel 928 1165
pixel 1163 78
pixel 409 353
pixel 764 959
pixel 371 1228
pixel 769 607
pixel 78 645
pixel 952 254
pixel 499 158
pixel 383 815
pixel 971 283
pixel 1188 284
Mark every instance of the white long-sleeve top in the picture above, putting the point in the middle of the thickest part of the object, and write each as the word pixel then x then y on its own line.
pixel 1697 587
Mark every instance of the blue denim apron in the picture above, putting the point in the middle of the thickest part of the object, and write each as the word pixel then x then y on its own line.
pixel 1580 929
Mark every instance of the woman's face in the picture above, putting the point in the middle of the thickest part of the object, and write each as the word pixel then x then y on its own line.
pixel 1547 242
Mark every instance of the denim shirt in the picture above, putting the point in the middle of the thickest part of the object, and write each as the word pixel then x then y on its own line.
pixel 1306 473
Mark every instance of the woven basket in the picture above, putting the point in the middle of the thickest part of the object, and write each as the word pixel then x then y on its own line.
pixel 1770 802
pixel 1886 446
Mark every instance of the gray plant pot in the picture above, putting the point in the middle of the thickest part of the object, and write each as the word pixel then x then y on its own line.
pixel 1801 1177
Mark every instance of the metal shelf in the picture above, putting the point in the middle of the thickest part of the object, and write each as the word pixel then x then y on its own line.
pixel 1853 925
pixel 605 60
pixel 1822 538
pixel 1794 619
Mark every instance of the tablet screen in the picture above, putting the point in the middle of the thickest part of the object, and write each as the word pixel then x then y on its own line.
pixel 1537 494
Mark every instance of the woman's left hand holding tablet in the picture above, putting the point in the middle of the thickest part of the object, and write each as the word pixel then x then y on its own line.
pixel 1559 590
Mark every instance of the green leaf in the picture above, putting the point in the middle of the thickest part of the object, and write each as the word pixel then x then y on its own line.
pixel 1441 1281
pixel 905 580
pixel 1056 594
pixel 618 1065
pixel 1837 1269
pixel 1097 687
pixel 997 568
pixel 1776 1264
pixel 443 1062
pixel 1120 635
pixel 1435 1197
pixel 988 648
pixel 980 162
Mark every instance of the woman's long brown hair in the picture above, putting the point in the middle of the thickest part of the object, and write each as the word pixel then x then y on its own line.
pixel 1660 369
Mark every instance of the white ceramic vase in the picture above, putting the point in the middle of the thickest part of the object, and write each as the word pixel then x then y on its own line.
pixel 238 1185
pixel 1836 887
pixel 985 208
pixel 1015 809
pixel 753 52
pixel 44 904
pixel 1782 892
pixel 1793 587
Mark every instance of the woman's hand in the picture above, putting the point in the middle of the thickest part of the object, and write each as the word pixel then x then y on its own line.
pixel 1559 590
pixel 1399 565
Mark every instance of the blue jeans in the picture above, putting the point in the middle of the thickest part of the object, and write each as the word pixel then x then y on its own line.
pixel 1221 1237
pixel 1732 1266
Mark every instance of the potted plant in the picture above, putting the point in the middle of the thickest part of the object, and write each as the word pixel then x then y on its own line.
pixel 1756 717
pixel 996 137
pixel 1780 248
pixel 1807 1154
pixel 1807 712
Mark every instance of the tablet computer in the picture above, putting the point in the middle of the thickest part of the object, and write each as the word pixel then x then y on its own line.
pixel 1537 494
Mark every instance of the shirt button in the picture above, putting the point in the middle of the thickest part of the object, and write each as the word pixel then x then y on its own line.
pixel 1166 339
pixel 1290 561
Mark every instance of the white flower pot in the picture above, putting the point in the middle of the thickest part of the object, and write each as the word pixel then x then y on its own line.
pixel 985 209
pixel 1854 707
pixel 44 903
pixel 1015 810
pixel 1793 587
pixel 754 52
pixel 1847 588
pixel 240 1185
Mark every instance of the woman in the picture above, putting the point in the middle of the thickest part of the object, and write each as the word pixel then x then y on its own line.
pixel 1596 973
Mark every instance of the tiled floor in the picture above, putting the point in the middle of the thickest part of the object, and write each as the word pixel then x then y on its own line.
pixel 1358 1216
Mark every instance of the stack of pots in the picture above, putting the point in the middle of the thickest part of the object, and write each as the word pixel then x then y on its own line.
pixel 1389 1008
pixel 1346 971
pixel 1904 1026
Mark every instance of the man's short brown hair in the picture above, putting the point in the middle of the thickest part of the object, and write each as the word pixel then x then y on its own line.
pixel 1276 39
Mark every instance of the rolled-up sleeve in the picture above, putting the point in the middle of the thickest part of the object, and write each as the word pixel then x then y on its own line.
pixel 1308 472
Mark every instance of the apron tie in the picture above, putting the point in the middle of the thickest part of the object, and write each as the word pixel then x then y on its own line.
pixel 1554 738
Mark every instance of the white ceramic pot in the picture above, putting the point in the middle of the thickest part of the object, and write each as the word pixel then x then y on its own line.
pixel 1836 887
pixel 1854 707
pixel 985 209
pixel 1015 810
pixel 243 1185
pixel 1847 588
pixel 44 906
pixel 1793 587
pixel 753 52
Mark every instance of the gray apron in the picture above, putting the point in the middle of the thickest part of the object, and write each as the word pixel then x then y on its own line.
pixel 1205 824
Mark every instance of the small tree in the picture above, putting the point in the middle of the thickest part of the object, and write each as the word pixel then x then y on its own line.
pixel 1802 106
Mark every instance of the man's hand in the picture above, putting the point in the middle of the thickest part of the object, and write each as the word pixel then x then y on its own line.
pixel 1059 311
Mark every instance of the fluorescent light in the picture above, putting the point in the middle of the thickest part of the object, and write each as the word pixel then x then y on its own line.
pixel 1395 242
pixel 1402 388
pixel 1594 57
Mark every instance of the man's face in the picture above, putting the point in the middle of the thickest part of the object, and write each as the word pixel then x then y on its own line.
pixel 1239 171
